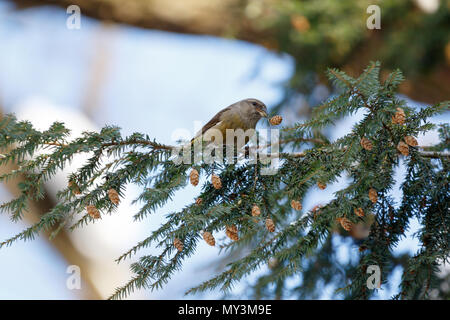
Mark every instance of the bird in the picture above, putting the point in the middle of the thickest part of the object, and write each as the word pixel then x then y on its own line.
pixel 243 114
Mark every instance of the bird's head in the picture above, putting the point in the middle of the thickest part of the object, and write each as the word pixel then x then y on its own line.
pixel 257 107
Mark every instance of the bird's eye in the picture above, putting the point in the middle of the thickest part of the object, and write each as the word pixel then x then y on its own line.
pixel 255 104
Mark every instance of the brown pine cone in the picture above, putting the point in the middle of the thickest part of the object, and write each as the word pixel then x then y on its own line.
pixel 233 228
pixel 399 117
pixel 316 210
pixel 275 120
pixel 300 23
pixel 321 185
pixel 232 236
pixel 208 237
pixel 373 195
pixel 216 182
pixel 403 148
pixel 296 205
pixel 366 144
pixel 177 243
pixel 273 263
pixel 345 223
pixel 113 196
pixel 256 211
pixel 198 201
pixel 193 177
pixel 74 187
pixel 359 212
pixel 93 212
pixel 411 141
pixel 232 232
pixel 270 225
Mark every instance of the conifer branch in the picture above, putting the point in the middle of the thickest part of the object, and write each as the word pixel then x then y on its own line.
pixel 277 228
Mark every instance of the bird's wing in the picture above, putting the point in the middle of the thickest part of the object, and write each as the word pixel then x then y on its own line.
pixel 213 122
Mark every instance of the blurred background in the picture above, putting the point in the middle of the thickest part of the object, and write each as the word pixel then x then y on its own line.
pixel 158 67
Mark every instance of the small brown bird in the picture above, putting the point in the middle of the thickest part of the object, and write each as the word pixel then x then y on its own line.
pixel 243 114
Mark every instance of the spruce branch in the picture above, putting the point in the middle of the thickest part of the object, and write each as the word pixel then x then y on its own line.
pixel 279 230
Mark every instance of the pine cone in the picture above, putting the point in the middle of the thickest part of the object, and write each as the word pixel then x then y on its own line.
pixel 232 228
pixel 399 117
pixel 275 120
pixel 345 223
pixel 270 225
pixel 300 23
pixel 215 180
pixel 296 205
pixel 373 196
pixel 232 232
pixel 93 212
pixel 321 185
pixel 232 236
pixel 209 238
pixel 403 148
pixel 316 210
pixel 113 196
pixel 411 141
pixel 359 212
pixel 256 211
pixel 273 263
pixel 74 187
pixel 177 243
pixel 193 177
pixel 366 144
pixel 198 201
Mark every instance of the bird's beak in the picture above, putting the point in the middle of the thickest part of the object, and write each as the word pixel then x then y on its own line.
pixel 263 114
